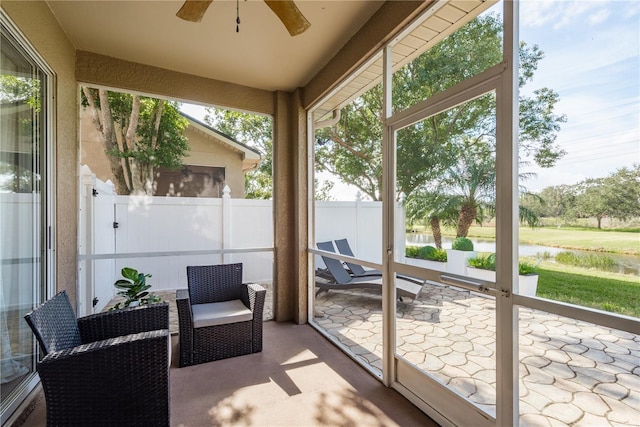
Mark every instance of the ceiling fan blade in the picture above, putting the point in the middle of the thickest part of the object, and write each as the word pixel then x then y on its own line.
pixel 193 10
pixel 290 15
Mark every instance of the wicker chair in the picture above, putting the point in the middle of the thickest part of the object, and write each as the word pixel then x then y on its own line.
pixel 218 315
pixel 106 369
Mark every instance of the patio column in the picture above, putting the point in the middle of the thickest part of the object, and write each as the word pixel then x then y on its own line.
pixel 290 208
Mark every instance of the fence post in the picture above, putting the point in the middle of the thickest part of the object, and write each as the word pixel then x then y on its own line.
pixel 227 224
pixel 84 292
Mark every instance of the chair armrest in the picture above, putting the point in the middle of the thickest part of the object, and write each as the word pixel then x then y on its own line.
pixel 255 296
pixel 185 327
pixel 121 381
pixel 116 323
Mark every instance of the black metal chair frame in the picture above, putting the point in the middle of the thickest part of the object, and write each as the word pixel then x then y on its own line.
pixel 218 283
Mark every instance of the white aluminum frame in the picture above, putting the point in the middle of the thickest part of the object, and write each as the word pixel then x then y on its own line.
pixel 441 403
pixel 46 287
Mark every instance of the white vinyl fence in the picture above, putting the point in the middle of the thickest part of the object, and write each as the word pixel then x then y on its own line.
pixel 162 235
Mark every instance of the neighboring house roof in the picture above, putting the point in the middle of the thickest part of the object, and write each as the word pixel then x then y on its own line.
pixel 251 157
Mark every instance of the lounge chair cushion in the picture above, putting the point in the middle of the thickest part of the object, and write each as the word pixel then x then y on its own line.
pixel 220 313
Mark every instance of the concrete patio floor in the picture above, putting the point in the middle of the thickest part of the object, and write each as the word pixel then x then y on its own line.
pixel 572 373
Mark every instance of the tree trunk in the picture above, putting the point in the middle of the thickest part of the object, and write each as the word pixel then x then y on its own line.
pixel 130 138
pixel 111 143
pixel 148 176
pixel 465 219
pixel 434 221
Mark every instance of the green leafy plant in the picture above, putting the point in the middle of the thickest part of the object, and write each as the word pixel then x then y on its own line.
pixel 134 289
pixel 426 252
pixel 527 269
pixel 462 244
pixel 488 262
pixel 438 255
pixel 411 251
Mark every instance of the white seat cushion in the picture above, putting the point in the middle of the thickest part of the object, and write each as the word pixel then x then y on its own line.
pixel 220 313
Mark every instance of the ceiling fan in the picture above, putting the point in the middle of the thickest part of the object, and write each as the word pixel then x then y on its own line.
pixel 286 10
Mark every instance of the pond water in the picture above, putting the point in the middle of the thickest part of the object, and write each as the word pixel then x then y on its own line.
pixel 625 264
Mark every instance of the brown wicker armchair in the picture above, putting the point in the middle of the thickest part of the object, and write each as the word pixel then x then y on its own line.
pixel 106 369
pixel 218 315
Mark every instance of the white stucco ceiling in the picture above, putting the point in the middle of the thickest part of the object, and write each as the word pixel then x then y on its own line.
pixel 262 55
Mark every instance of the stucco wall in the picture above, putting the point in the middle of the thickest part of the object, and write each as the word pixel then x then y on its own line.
pixel 203 151
pixel 40 27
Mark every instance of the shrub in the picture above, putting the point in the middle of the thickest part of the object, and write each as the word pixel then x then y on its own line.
pixel 411 251
pixel 425 252
pixel 598 261
pixel 462 244
pixel 438 255
pixel 489 263
pixel 526 269
pixel 483 262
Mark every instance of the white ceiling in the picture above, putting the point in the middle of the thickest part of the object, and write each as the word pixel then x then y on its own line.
pixel 262 55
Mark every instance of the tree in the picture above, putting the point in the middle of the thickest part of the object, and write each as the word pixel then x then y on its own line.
pixel 622 193
pixel 257 131
pixel 615 196
pixel 426 150
pixel 591 199
pixel 352 149
pixel 140 134
pixel 434 206
pixel 558 201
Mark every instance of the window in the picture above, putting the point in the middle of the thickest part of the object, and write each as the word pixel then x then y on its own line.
pixel 24 212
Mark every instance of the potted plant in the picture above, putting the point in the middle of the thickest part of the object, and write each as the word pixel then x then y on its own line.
pixel 527 279
pixel 461 250
pixel 484 268
pixel 134 289
pixel 427 256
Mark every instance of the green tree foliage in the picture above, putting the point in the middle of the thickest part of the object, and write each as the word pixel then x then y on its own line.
pixel 20 90
pixel 257 131
pixel 591 199
pixel 352 149
pixel 614 196
pixel 622 193
pixel 21 96
pixel 430 154
pixel 140 134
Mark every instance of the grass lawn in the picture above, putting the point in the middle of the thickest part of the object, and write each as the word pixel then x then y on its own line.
pixel 607 291
pixel 580 239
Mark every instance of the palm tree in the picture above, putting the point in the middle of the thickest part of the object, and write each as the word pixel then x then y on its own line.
pixel 464 194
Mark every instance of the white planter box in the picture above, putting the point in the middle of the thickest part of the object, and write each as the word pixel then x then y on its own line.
pixel 457 260
pixel 478 273
pixel 432 265
pixel 528 285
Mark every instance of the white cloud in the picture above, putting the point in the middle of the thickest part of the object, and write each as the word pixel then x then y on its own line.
pixel 599 16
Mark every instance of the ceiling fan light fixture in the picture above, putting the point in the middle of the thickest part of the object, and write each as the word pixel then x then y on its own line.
pixel 286 10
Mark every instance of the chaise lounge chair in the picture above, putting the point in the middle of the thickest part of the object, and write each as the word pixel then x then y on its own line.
pixel 359 271
pixel 341 279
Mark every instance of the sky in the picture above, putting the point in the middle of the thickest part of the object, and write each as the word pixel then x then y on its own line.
pixel 592 60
